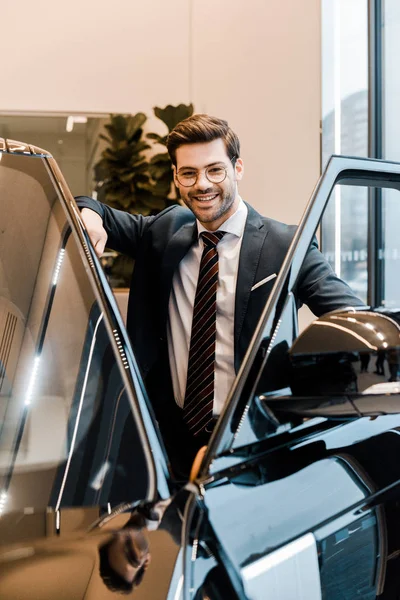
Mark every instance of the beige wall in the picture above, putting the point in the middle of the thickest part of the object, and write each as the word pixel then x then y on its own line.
pixel 268 87
pixel 93 55
pixel 255 63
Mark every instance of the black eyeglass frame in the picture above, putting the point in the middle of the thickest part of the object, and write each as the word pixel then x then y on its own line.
pixel 234 158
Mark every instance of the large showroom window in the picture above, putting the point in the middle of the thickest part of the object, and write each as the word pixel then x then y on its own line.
pixel 390 250
pixel 360 117
pixel 344 231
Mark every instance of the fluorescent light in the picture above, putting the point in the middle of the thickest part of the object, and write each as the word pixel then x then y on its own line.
pixel 72 119
pixel 70 124
pixel 3 500
pixel 32 381
pixel 100 476
pixel 58 266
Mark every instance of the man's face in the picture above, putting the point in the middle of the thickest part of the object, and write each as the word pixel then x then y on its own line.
pixel 128 553
pixel 211 203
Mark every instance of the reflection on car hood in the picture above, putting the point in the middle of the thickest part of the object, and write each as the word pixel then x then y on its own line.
pixel 77 564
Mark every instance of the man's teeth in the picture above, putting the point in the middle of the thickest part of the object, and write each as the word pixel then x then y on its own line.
pixel 206 198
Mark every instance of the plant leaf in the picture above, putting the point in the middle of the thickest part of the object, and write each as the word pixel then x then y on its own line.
pixel 172 115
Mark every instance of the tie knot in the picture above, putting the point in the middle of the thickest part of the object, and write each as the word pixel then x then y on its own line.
pixel 211 238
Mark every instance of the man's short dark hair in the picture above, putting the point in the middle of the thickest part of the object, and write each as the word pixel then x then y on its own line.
pixel 199 129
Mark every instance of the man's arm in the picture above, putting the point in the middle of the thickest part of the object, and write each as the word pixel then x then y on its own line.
pixel 120 230
pixel 320 288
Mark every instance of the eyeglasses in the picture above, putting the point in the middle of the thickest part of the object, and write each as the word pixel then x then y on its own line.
pixel 214 174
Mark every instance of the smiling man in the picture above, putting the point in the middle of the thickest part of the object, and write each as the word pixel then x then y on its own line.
pixel 201 280
pixel 211 191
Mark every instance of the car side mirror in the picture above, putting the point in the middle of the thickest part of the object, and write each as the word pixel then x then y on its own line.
pixel 346 364
pixel 335 354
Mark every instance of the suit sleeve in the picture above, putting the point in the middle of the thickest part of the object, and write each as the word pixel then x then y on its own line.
pixel 123 229
pixel 320 288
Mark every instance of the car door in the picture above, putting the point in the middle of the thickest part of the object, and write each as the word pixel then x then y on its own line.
pixel 301 492
pixel 79 448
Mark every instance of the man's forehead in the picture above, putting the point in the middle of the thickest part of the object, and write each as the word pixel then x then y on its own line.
pixel 202 154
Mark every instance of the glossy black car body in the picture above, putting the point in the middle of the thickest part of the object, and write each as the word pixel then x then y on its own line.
pixel 298 492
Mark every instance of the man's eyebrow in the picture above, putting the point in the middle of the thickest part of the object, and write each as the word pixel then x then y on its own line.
pixel 218 162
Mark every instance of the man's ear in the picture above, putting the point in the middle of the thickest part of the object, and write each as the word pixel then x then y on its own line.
pixel 239 169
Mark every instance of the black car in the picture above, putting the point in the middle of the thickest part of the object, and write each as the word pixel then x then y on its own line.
pixel 297 495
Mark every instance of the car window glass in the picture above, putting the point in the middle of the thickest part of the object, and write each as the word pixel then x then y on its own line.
pixel 67 434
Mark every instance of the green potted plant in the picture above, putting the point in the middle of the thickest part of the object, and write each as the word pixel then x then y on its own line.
pixel 126 179
pixel 160 166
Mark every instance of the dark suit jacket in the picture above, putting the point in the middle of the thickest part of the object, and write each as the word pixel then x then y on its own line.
pixel 159 243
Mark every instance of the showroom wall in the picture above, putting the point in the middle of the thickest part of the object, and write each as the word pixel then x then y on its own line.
pixel 257 64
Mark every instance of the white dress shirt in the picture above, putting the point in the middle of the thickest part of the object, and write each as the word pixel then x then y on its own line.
pixel 180 309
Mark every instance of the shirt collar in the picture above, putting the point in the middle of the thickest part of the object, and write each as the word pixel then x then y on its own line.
pixel 235 224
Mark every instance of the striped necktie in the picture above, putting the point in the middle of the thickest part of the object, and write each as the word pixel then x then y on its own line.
pixel 199 396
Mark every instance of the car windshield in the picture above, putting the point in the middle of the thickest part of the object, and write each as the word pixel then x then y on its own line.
pixel 68 436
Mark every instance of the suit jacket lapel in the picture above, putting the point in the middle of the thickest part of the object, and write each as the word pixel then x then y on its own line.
pixel 254 236
pixel 176 249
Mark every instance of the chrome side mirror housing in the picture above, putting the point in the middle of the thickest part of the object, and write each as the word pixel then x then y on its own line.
pixel 330 369
pixel 346 351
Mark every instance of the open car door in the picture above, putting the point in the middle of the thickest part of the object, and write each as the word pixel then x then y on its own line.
pixel 301 480
pixel 79 448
